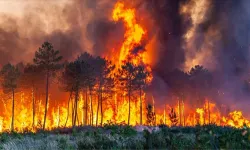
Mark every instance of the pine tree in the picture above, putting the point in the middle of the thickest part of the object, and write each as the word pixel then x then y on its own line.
pixel 127 78
pixel 141 83
pixel 10 75
pixel 47 59
pixel 173 117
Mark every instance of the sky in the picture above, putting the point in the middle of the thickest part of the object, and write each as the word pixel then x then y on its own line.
pixel 17 7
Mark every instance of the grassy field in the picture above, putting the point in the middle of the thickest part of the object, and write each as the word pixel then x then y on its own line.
pixel 126 137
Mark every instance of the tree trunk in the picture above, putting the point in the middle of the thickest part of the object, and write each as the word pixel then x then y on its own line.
pixel 68 109
pixel 33 106
pixel 75 108
pixel 140 107
pixel 180 111
pixel 72 111
pixel 101 109
pixel 129 107
pixel 46 102
pixel 183 110
pixel 91 105
pixel 208 112
pixel 97 111
pixel 58 113
pixel 13 112
pixel 86 107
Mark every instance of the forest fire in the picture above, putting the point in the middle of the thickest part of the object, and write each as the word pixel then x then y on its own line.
pixel 95 101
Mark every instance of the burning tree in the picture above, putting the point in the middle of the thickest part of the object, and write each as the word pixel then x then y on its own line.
pixel 151 120
pixel 88 80
pixel 105 82
pixel 127 77
pixel 141 82
pixel 71 83
pixel 32 78
pixel 202 85
pixel 180 85
pixel 10 75
pixel 47 59
pixel 173 117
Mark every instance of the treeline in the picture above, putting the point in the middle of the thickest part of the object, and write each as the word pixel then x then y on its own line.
pixel 87 74
pixel 195 88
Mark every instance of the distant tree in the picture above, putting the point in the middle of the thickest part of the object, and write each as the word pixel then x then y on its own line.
pixel 127 78
pixel 31 78
pixel 47 59
pixel 201 79
pixel 141 83
pixel 202 82
pixel 10 75
pixel 151 120
pixel 173 117
pixel 179 82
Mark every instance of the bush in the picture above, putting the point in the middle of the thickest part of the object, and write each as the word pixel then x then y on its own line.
pixel 182 142
pixel 63 144
pixel 3 138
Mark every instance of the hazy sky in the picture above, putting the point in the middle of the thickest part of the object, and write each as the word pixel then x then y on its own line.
pixel 17 6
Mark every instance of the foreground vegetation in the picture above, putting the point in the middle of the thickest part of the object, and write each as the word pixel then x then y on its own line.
pixel 126 137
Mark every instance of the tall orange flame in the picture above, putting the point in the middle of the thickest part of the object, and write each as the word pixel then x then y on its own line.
pixel 134 32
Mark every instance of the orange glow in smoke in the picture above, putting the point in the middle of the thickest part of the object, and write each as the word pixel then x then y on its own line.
pixel 115 109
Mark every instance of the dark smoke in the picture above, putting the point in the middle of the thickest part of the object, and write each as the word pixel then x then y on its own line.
pixel 231 18
pixel 88 27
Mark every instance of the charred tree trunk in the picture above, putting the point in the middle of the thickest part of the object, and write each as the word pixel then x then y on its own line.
pixel 86 108
pixel 140 107
pixel 129 107
pixel 13 112
pixel 72 111
pixel 101 109
pixel 179 103
pixel 58 111
pixel 208 112
pixel 68 109
pixel 97 111
pixel 46 101
pixel 75 107
pixel 33 106
pixel 91 105
pixel 183 110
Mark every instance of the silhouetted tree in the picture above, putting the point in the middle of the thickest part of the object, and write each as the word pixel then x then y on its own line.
pixel 87 83
pixel 10 75
pixel 127 76
pixel 180 84
pixel 47 59
pixel 201 80
pixel 71 81
pixel 88 79
pixel 173 117
pixel 151 120
pixel 141 83
pixel 104 81
pixel 31 78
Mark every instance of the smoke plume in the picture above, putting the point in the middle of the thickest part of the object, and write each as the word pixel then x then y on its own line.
pixel 181 34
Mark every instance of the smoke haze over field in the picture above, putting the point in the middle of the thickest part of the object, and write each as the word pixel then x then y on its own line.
pixel 182 33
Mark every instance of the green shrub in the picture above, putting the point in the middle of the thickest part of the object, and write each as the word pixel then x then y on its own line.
pixel 63 144
pixel 182 142
pixel 98 142
pixel 4 137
